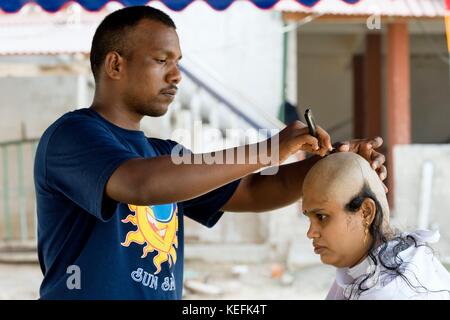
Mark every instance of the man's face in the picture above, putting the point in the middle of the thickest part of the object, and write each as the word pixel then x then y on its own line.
pixel 337 235
pixel 151 73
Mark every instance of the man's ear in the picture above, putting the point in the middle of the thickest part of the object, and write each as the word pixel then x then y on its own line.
pixel 368 210
pixel 114 64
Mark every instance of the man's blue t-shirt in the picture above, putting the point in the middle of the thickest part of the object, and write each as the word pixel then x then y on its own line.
pixel 91 247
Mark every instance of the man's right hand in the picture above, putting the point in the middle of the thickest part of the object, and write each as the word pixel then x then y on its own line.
pixel 296 137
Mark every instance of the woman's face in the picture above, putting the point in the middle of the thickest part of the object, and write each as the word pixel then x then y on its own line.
pixel 337 235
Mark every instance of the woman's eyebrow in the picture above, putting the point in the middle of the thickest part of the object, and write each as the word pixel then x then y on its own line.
pixel 313 211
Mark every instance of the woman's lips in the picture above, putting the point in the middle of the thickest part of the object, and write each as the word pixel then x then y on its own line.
pixel 319 249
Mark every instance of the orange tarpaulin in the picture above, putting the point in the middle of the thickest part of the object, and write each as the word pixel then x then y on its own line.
pixel 447 23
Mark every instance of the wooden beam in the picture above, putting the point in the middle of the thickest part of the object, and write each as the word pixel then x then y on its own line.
pixel 398 94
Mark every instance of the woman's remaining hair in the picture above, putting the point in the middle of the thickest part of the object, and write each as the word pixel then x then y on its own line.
pixel 384 250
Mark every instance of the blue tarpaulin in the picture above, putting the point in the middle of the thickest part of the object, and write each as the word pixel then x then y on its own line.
pixel 11 6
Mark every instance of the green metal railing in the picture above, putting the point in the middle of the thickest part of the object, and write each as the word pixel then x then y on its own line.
pixel 18 209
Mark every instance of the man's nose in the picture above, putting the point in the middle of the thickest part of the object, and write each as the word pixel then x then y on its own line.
pixel 174 76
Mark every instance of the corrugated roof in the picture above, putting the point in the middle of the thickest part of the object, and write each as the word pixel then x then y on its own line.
pixel 392 8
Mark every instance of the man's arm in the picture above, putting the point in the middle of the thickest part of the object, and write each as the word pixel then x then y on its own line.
pixel 258 193
pixel 159 180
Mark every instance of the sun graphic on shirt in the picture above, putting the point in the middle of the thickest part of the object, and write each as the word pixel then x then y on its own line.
pixel 157 228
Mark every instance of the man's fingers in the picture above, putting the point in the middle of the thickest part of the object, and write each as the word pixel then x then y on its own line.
pixel 301 140
pixel 343 146
pixel 378 160
pixel 376 142
pixel 308 148
pixel 365 147
pixel 382 173
pixel 298 124
pixel 324 139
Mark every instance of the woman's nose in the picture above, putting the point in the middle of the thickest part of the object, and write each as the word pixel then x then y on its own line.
pixel 313 231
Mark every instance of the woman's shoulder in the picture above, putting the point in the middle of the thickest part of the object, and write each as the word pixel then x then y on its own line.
pixel 421 274
pixel 398 289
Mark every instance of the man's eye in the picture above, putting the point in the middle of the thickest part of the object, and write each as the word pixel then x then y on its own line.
pixel 160 61
pixel 321 217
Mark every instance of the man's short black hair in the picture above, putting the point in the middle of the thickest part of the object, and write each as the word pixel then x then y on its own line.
pixel 111 34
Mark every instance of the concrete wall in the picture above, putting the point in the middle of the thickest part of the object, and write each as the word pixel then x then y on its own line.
pixel 410 195
pixel 17 211
pixel 29 105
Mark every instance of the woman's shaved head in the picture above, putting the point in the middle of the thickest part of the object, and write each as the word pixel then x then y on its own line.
pixel 342 176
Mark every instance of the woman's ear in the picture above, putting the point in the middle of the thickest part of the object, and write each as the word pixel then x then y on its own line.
pixel 368 210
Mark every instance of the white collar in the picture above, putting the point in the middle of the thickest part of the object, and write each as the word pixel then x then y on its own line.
pixel 424 236
pixel 347 276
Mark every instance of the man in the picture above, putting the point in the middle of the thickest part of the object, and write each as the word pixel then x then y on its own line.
pixel 111 201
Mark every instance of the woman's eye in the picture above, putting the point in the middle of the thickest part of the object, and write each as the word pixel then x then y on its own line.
pixel 321 217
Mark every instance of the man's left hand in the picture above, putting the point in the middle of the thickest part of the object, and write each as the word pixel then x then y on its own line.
pixel 366 149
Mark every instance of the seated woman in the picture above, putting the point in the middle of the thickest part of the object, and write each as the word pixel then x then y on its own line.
pixel 349 227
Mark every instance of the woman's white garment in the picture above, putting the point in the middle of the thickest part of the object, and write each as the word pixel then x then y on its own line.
pixel 421 268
